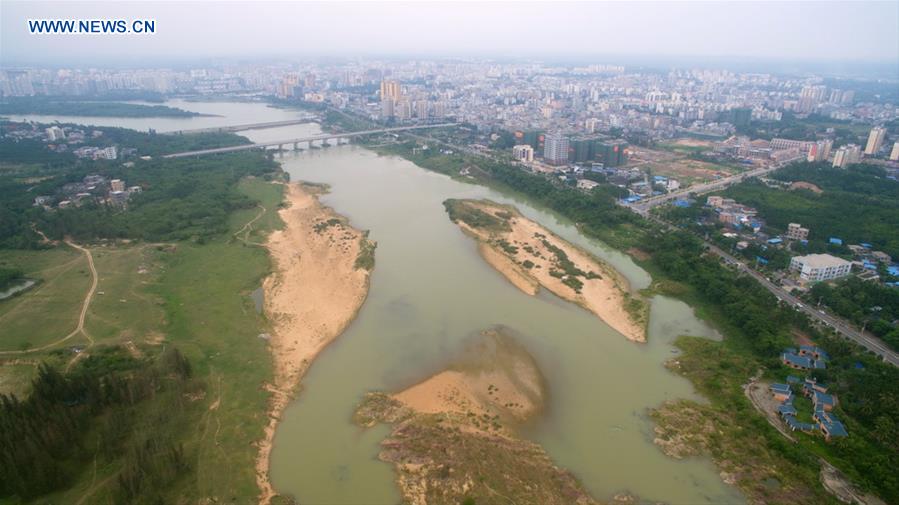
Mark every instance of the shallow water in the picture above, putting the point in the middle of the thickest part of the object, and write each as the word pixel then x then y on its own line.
pixel 430 291
pixel 18 288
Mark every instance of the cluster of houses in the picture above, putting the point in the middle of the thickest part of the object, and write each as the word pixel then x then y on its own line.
pixel 735 214
pixel 93 188
pixel 808 358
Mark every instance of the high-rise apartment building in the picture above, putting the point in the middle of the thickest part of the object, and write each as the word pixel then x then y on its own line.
pixel 422 109
pixel 875 139
pixel 390 89
pixel 55 133
pixel 820 150
pixel 847 155
pixel 555 149
pixel 894 154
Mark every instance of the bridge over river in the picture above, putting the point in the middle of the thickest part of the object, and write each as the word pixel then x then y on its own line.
pixel 324 137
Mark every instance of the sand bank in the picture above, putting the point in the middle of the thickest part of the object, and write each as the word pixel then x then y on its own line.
pixel 531 256
pixel 453 435
pixel 315 291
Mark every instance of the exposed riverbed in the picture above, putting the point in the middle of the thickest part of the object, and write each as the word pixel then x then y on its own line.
pixel 430 291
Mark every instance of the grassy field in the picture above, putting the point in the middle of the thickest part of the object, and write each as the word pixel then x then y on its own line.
pixel 48 311
pixel 193 296
pixel 123 310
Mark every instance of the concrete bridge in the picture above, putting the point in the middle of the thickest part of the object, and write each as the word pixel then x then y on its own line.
pixel 241 127
pixel 310 141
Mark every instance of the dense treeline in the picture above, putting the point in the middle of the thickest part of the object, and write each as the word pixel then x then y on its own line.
pixel 99 411
pixel 864 303
pixel 68 107
pixel 159 144
pixel 807 128
pixel 858 204
pixel 181 198
pixel 596 211
pixel 750 315
pixel 750 309
pixel 9 276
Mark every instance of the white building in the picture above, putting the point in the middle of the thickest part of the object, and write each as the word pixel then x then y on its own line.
pixel 894 154
pixel 555 149
pixel 875 139
pixel 820 267
pixel 55 133
pixel 586 184
pixel 523 152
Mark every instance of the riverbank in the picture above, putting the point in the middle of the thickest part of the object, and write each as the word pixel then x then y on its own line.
pixel 453 436
pixel 320 281
pixel 531 256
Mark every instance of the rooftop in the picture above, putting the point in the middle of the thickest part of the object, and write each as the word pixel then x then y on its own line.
pixel 821 260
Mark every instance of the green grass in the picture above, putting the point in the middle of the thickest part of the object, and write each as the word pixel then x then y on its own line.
pixel 122 309
pixel 196 297
pixel 211 319
pixel 48 311
pixel 729 429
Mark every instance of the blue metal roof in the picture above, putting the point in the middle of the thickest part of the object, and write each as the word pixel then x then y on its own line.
pixel 786 409
pixel 823 398
pixel 800 361
pixel 780 388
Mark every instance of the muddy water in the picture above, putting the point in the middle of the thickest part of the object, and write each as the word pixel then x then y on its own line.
pixel 431 291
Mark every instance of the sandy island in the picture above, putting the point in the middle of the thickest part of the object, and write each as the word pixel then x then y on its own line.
pixel 320 280
pixel 453 434
pixel 530 256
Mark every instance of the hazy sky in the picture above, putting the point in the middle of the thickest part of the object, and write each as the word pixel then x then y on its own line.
pixel 836 31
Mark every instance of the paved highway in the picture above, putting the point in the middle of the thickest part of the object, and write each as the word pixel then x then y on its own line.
pixel 866 340
pixel 648 203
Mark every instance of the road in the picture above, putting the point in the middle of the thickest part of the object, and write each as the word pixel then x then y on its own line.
pixel 648 203
pixel 88 297
pixel 866 340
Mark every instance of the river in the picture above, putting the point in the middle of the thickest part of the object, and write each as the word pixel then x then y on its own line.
pixel 430 292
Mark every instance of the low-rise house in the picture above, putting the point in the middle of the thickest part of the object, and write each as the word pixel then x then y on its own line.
pixel 823 400
pixel 829 425
pixel 813 351
pixel 781 392
pixel 795 424
pixel 797 362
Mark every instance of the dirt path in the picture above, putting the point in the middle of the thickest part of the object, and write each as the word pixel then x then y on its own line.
pixel 761 399
pixel 84 307
pixel 249 228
